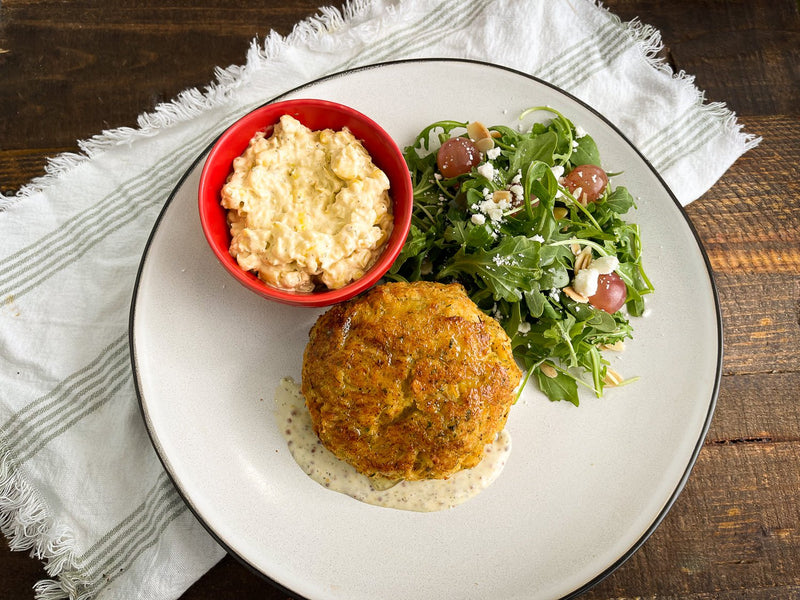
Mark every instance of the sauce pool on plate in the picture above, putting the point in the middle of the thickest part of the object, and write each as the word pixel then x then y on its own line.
pixel 330 472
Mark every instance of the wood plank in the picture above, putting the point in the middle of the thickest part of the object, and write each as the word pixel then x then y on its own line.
pixel 745 414
pixel 760 321
pixel 750 228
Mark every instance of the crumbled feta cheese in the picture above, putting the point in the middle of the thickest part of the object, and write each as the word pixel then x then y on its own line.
pixel 538 238
pixel 493 153
pixel 585 282
pixel 478 219
pixel 524 327
pixel 487 170
pixel 494 210
pixel 518 177
pixel 437 176
pixel 558 171
pixel 503 261
pixel 555 294
pixel 574 143
pixel 605 264
pixel 518 193
pixel 579 132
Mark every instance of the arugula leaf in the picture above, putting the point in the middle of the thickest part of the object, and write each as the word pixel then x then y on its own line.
pixel 505 269
pixel 535 302
pixel 530 149
pixel 416 243
pixel 586 153
pixel 560 387
pixel 620 200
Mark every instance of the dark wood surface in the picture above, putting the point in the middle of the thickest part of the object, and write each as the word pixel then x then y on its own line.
pixel 71 69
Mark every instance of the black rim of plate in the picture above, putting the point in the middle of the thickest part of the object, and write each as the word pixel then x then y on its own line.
pixel 717 377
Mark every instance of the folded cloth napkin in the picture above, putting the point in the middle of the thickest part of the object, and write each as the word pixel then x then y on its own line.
pixel 80 485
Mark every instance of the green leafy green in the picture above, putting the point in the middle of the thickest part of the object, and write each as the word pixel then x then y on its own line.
pixel 515 257
pixel 586 152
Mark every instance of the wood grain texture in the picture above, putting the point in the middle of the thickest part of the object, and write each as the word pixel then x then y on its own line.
pixel 68 70
pixel 750 227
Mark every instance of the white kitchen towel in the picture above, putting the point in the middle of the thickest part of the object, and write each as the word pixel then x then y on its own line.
pixel 80 485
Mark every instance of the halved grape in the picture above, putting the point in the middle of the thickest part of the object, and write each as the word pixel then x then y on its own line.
pixel 591 180
pixel 457 156
pixel 611 293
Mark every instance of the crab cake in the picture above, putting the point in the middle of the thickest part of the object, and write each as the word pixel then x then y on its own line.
pixel 408 381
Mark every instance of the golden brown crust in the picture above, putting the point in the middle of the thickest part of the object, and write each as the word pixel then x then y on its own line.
pixel 409 381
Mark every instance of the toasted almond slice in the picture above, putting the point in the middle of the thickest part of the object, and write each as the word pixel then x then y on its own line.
pixel 580 298
pixel 576 248
pixel 477 131
pixel 484 144
pixel 618 346
pixel 495 134
pixel 548 370
pixel 501 195
pixel 583 259
pixel 612 378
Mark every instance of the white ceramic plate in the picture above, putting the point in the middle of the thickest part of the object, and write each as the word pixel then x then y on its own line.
pixel 583 488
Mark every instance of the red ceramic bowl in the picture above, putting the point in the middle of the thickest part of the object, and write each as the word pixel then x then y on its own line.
pixel 314 114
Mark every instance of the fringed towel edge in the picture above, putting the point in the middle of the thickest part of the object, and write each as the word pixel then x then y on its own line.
pixel 28 525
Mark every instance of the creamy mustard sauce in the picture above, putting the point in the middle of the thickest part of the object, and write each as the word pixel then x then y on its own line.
pixel 307 208
pixel 327 470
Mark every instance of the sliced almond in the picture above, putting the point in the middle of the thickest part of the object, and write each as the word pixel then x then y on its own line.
pixel 478 131
pixel 496 134
pixel 484 144
pixel 548 370
pixel 501 195
pixel 618 346
pixel 580 298
pixel 612 378
pixel 583 259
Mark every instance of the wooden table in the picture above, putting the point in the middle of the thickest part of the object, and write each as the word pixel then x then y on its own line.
pixel 70 69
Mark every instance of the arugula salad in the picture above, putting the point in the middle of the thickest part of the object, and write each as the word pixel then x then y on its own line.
pixel 530 225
